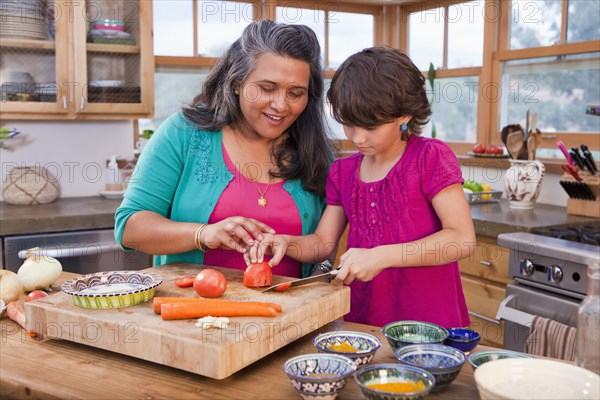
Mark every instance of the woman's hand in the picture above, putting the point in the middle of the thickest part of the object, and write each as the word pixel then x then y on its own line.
pixel 359 265
pixel 269 244
pixel 235 233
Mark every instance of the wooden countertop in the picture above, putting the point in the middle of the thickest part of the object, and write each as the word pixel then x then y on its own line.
pixel 82 213
pixel 34 368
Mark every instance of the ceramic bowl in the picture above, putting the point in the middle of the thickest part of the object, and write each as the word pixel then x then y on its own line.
pixel 443 362
pixel 319 375
pixel 393 373
pixel 532 378
pixel 481 357
pixel 365 344
pixel 112 289
pixel 404 333
pixel 462 339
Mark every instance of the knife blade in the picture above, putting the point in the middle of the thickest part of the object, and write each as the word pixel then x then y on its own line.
pixel 304 281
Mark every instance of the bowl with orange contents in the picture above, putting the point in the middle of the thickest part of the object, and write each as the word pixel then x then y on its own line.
pixel 358 346
pixel 394 382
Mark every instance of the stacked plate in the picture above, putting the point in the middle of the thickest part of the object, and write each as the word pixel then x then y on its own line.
pixel 16 82
pixel 24 19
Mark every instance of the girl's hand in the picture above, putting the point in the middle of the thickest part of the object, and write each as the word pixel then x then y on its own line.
pixel 234 233
pixel 359 265
pixel 270 244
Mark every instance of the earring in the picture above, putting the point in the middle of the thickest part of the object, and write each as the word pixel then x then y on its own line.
pixel 404 127
pixel 404 131
pixel 237 92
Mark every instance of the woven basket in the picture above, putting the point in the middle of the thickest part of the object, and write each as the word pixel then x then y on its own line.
pixel 30 186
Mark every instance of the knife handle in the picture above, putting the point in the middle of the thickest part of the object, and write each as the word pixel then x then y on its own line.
pixel 589 159
pixel 577 158
pixel 563 148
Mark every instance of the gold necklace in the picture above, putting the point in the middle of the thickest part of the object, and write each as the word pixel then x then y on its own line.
pixel 262 201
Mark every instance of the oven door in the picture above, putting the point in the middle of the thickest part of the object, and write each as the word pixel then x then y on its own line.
pixel 540 303
pixel 80 252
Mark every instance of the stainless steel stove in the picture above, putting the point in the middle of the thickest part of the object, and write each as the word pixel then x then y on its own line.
pixel 550 272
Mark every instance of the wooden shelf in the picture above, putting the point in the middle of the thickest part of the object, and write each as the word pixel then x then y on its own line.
pixel 29 44
pixel 113 48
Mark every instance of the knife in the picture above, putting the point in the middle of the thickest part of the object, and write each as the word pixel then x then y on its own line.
pixel 577 157
pixel 300 282
pixel 563 148
pixel 588 159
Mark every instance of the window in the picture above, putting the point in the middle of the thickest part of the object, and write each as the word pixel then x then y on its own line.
pixel 220 23
pixel 173 27
pixel 450 38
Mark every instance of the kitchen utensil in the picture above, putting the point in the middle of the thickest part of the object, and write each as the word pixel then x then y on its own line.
pixel 572 170
pixel 300 282
pixel 507 130
pixel 531 147
pixel 533 123
pixel 589 159
pixel 514 143
pixel 577 158
pixel 561 145
pixel 526 135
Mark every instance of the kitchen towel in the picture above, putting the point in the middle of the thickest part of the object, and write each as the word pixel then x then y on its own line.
pixel 549 338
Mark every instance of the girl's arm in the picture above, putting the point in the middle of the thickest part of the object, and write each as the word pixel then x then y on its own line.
pixel 312 248
pixel 455 241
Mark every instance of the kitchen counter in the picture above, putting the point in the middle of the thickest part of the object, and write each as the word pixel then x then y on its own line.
pixel 82 213
pixel 69 214
pixel 71 370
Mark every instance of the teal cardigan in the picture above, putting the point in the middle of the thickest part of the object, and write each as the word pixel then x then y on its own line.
pixel 181 175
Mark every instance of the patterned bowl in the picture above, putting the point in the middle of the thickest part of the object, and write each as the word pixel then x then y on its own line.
pixel 393 374
pixel 403 333
pixel 481 357
pixel 363 345
pixel 463 339
pixel 112 289
pixel 443 362
pixel 319 375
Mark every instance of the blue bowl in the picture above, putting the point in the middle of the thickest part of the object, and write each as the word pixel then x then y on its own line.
pixel 365 344
pixel 319 375
pixel 462 339
pixel 404 333
pixel 481 357
pixel 393 373
pixel 443 362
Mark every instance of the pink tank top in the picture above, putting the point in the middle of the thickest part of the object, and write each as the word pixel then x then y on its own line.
pixel 240 197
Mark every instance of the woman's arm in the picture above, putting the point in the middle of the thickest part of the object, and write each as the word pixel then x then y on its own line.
pixel 455 241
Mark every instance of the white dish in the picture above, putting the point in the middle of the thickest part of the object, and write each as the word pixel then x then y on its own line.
pixel 106 83
pixel 529 378
pixel 112 195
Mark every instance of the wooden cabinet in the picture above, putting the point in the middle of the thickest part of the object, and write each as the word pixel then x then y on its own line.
pixel 71 67
pixel 484 278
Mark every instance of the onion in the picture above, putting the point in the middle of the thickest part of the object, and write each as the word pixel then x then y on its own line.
pixel 10 286
pixel 39 272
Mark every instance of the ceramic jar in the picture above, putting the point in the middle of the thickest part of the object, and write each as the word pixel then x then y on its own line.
pixel 30 186
pixel 523 183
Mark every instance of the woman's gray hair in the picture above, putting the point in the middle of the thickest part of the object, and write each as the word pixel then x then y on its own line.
pixel 218 105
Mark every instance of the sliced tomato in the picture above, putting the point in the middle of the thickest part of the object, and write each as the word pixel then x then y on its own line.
pixel 188 281
pixel 258 275
pixel 283 287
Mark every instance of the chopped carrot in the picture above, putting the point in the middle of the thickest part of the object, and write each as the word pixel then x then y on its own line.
pixel 158 301
pixel 210 307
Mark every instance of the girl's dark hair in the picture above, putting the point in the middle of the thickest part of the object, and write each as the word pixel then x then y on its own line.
pixel 377 85
pixel 305 152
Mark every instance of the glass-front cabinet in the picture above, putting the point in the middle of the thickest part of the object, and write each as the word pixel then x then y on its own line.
pixel 76 60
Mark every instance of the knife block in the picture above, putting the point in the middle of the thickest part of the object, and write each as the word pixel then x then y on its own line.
pixel 588 208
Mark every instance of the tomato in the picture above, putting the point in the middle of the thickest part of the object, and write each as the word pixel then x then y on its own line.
pixel 479 148
pixel 188 281
pixel 210 283
pixel 494 150
pixel 283 287
pixel 36 294
pixel 258 275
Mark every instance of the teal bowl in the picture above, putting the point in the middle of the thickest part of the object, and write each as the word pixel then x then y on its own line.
pixel 404 333
pixel 393 373
pixel 479 358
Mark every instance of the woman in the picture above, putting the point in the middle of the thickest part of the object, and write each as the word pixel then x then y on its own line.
pixel 249 155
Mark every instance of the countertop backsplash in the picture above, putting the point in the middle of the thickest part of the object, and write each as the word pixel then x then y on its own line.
pixel 73 151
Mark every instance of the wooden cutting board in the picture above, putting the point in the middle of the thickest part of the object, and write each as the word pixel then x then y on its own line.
pixel 138 332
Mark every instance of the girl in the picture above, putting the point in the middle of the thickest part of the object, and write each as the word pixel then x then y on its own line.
pixel 409 221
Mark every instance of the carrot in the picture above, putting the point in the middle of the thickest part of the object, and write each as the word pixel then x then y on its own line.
pixel 158 301
pixel 208 307
pixel 16 312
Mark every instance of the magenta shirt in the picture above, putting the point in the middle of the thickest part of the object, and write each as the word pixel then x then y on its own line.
pixel 398 209
pixel 241 198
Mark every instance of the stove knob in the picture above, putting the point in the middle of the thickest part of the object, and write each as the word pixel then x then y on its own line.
pixel 526 267
pixel 555 274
